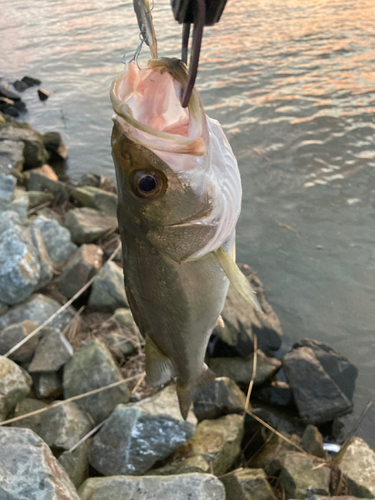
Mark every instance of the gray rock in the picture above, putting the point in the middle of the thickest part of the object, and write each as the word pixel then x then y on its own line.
pixel 56 239
pixel 13 334
pixel 34 422
pixel 90 179
pixel 241 320
pixel 19 263
pixel 3 308
pixel 7 187
pixel 79 269
pixel 37 198
pixel 52 352
pixel 34 151
pixel 46 265
pixel 121 342
pixel 220 398
pixel 312 442
pixel 20 204
pixel 241 370
pixel 302 475
pixel 339 368
pixel 356 461
pixel 248 484
pixel 182 487
pixel 136 436
pixel 38 308
pixel 95 361
pixel 124 318
pixel 94 197
pixel 215 445
pixel 76 463
pixel 55 146
pixel 14 386
pixel 29 471
pixel 11 157
pixel 47 385
pixel 39 182
pixel 276 393
pixel 64 426
pixel 317 396
pixel 283 420
pixel 364 428
pixel 87 225
pixel 272 454
pixel 48 213
pixel 108 290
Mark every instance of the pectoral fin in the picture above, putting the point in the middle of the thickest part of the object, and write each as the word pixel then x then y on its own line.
pixel 159 368
pixel 236 277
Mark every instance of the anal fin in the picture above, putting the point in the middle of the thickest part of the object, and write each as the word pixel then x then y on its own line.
pixel 159 368
pixel 236 277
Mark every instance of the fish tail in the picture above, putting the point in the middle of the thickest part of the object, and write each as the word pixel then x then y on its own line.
pixel 186 393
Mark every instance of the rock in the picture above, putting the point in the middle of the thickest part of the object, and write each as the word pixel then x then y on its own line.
pixel 248 484
pixel 19 264
pixel 46 265
pixel 272 454
pixel 90 179
pixel 94 197
pixel 20 204
pixel 47 385
pixel 302 476
pixel 40 182
pixel 13 334
pixel 87 225
pixel 11 158
pixel 283 420
pixel 100 370
pixel 11 198
pixel 7 187
pixel 29 471
pixel 37 198
pixel 64 426
pixel 3 308
pixel 356 461
pixel 34 422
pixel 20 86
pixel 215 445
pixel 38 308
pixel 312 442
pixel 275 393
pixel 4 92
pixel 124 317
pixel 48 213
pixel 76 463
pixel 34 151
pixel 30 81
pixel 52 352
pixel 242 321
pixel 138 435
pixel 43 94
pixel 220 398
pixel 241 370
pixel 339 368
pixel 46 171
pixel 108 290
pixel 181 487
pixel 14 386
pixel 55 146
pixel 120 342
pixel 317 396
pixel 79 269
pixel 56 239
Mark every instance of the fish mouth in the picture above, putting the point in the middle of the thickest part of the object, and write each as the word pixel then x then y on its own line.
pixel 146 102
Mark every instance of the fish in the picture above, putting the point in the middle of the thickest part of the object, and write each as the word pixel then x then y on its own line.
pixel 179 199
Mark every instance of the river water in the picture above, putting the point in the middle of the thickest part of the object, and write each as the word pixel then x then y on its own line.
pixel 293 84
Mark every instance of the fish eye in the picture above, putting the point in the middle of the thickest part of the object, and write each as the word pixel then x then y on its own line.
pixel 148 184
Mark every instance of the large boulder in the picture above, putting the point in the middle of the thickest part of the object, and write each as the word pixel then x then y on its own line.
pixel 34 151
pixel 181 487
pixel 38 308
pixel 15 385
pixel 87 225
pixel 96 362
pixel 28 469
pixel 108 290
pixel 242 321
pixel 321 380
pixel 136 436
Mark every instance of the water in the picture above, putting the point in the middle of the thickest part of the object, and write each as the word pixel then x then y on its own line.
pixel 293 84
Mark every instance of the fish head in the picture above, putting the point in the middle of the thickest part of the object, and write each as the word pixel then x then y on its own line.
pixel 166 163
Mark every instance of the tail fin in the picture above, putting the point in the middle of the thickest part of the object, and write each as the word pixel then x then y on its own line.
pixel 186 393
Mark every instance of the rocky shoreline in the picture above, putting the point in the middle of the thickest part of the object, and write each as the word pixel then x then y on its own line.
pixel 61 288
